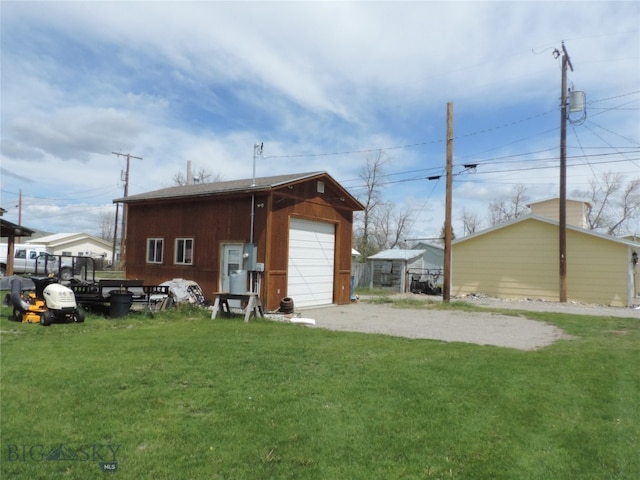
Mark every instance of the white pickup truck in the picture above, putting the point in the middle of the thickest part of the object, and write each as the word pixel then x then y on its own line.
pixel 29 258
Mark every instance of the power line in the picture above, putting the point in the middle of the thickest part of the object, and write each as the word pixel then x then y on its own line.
pixel 95 191
pixel 439 141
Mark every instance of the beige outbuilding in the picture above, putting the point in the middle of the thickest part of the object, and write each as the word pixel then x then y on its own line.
pixel 520 259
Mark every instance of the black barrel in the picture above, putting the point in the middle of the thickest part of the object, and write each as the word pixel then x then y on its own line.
pixel 120 303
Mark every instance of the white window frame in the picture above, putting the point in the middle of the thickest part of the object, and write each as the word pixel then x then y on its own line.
pixel 154 250
pixel 184 251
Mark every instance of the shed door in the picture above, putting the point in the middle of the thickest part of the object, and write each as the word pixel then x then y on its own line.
pixel 311 262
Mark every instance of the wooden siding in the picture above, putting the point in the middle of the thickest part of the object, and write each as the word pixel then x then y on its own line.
pixel 521 261
pixel 210 224
pixel 212 221
pixel 304 201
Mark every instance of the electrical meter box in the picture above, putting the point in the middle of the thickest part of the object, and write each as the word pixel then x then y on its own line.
pixel 250 256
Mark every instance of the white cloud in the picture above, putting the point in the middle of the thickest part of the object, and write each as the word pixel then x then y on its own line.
pixel 203 81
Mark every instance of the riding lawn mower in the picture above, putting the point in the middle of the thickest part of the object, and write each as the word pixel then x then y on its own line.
pixel 49 302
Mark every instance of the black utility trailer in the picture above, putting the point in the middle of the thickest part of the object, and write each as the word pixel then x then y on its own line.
pixel 100 294
pixel 103 293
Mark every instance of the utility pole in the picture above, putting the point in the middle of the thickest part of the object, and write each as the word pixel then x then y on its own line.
pixel 446 286
pixel 123 240
pixel 20 207
pixel 566 61
pixel 19 219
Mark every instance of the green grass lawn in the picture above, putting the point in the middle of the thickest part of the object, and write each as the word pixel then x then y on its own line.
pixel 180 396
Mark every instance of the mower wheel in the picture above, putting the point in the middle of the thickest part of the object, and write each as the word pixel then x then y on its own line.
pixel 47 318
pixel 79 315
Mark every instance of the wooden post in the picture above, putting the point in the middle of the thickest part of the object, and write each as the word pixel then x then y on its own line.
pixel 123 240
pixel 562 217
pixel 446 286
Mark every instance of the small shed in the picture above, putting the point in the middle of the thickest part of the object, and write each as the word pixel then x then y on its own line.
pixel 519 260
pixel 279 236
pixel 389 268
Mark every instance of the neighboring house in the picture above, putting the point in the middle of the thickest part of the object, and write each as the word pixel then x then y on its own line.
pixel 290 235
pixel 433 258
pixel 76 244
pixel 519 259
pixel 389 268
pixel 576 211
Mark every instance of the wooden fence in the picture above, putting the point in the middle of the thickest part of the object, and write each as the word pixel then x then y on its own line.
pixel 362 274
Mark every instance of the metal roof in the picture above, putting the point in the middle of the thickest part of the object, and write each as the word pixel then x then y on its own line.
pixel 10 229
pixel 397 254
pixel 60 239
pixel 216 188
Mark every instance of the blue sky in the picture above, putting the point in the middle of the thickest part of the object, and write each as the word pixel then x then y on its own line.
pixel 324 85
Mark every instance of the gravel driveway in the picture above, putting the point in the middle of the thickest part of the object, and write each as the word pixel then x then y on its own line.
pixel 483 328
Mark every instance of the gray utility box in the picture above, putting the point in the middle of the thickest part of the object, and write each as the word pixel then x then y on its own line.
pixel 238 282
pixel 250 256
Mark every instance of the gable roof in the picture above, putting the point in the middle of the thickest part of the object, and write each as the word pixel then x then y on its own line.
pixel 532 217
pixel 397 254
pixel 59 239
pixel 427 246
pixel 246 185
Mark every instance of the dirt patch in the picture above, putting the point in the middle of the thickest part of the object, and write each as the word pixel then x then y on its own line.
pixel 482 328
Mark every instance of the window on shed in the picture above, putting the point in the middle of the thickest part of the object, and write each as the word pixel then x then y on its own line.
pixel 184 251
pixel 154 250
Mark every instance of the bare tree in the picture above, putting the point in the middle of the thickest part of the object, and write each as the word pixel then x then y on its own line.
pixel 202 176
pixel 612 203
pixel 106 223
pixel 381 225
pixel 501 211
pixel 391 227
pixel 470 221
pixel 370 174
pixel 629 206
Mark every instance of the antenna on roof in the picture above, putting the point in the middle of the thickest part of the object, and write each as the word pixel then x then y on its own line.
pixel 257 152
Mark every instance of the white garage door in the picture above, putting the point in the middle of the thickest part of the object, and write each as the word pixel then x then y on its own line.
pixel 311 262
